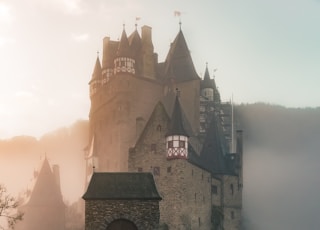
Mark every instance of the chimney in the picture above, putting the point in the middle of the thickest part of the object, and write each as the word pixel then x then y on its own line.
pixel 105 53
pixel 146 35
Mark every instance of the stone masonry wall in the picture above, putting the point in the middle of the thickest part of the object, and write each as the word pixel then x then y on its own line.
pixel 100 213
pixel 232 202
pixel 185 188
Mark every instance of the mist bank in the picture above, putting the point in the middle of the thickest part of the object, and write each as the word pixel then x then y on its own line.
pixel 281 155
pixel 21 156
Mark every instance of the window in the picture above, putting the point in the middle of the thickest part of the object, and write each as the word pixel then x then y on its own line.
pixel 182 144
pixel 156 171
pixel 159 128
pixel 170 144
pixel 169 170
pixel 231 189
pixel 214 189
pixel 153 148
pixel 139 169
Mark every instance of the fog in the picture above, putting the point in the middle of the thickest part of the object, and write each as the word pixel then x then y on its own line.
pixel 281 164
pixel 281 167
pixel 21 156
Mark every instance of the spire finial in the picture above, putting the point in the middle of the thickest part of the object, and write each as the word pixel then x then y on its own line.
pixel 136 24
pixel 178 14
pixel 97 53
pixel 124 26
pixel 178 92
pixel 206 64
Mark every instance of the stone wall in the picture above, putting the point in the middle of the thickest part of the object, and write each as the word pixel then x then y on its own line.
pixel 184 187
pixel 100 213
pixel 232 202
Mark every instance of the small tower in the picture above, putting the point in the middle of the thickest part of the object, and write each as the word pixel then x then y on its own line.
pixel 177 137
pixel 96 78
pixel 207 86
pixel 124 63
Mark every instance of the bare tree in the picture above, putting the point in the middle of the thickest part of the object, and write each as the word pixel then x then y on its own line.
pixel 8 208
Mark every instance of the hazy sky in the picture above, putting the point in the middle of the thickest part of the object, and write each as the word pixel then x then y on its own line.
pixel 264 51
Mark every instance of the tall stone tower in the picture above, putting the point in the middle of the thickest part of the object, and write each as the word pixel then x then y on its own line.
pixel 125 88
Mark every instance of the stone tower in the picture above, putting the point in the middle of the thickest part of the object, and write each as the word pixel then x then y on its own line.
pixel 125 89
pixel 44 207
pixel 161 118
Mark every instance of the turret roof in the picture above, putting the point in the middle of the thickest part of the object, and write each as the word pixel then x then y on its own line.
pixel 207 82
pixel 97 72
pixel 46 190
pixel 214 154
pixel 135 41
pixel 176 124
pixel 124 48
pixel 178 64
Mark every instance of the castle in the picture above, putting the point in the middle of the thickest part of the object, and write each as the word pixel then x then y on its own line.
pixel 162 118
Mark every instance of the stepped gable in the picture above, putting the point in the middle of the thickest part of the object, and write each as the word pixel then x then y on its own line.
pixel 122 186
pixel 179 65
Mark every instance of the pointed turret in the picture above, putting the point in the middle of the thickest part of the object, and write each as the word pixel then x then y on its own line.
pixel 96 78
pixel 179 64
pixel 124 48
pixel 135 43
pixel 177 137
pixel 124 62
pixel 207 86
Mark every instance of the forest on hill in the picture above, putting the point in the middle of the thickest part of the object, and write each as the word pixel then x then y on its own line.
pixel 281 156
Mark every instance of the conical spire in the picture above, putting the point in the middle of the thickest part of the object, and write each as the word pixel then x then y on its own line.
pixel 97 72
pixel 179 63
pixel 207 82
pixel 46 191
pixel 123 49
pixel 176 125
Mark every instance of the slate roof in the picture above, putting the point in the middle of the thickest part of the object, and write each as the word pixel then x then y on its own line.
pixel 124 48
pixel 122 186
pixel 179 65
pixel 207 82
pixel 46 191
pixel 176 126
pixel 214 156
pixel 97 74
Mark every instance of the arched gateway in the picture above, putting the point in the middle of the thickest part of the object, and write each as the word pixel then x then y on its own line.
pixel 121 201
pixel 122 224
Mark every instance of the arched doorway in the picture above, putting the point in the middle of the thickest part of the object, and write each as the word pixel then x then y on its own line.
pixel 122 224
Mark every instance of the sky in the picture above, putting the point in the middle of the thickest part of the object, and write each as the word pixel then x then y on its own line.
pixel 263 51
